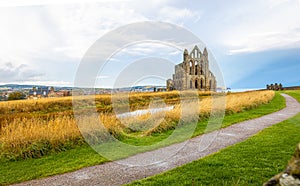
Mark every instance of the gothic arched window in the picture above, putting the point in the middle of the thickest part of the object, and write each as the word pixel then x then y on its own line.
pixel 196 67
pixel 201 69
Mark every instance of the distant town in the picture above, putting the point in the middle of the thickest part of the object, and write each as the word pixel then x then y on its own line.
pixel 32 92
pixel 19 92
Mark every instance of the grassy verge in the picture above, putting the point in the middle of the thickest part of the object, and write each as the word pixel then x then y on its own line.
pixel 251 162
pixel 18 171
pixel 293 93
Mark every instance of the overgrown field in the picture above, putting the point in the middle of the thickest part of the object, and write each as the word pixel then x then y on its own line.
pixel 32 129
pixel 103 102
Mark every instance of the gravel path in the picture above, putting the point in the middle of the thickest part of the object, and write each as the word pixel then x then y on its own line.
pixel 137 167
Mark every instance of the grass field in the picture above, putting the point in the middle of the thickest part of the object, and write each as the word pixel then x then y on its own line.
pixel 34 137
pixel 103 102
pixel 18 171
pixel 251 162
pixel 293 93
pixel 81 156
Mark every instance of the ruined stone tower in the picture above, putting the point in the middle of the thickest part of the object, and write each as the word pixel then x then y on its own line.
pixel 193 72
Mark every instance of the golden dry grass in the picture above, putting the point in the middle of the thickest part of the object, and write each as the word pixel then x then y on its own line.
pixel 235 103
pixel 34 137
pixel 65 103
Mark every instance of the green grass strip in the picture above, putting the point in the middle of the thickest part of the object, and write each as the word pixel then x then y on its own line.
pixel 251 162
pixel 18 171
pixel 293 93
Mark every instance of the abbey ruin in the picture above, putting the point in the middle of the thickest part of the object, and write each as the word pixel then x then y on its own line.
pixel 193 72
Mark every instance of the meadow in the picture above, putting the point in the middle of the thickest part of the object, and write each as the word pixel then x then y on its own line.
pixel 27 134
pixel 74 153
pixel 252 162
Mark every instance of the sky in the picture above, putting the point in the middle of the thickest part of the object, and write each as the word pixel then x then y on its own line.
pixel 254 43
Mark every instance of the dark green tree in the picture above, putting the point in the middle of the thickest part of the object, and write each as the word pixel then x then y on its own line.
pixel 16 96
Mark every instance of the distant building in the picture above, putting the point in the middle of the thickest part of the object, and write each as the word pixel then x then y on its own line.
pixel 274 87
pixel 44 92
pixel 37 93
pixel 193 72
pixel 62 93
pixel 3 96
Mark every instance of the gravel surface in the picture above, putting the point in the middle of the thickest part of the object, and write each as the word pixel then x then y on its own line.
pixel 137 167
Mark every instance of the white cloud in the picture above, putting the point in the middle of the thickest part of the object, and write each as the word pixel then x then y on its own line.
pixel 23 33
pixel 67 30
pixel 102 77
pixel 274 3
pixel 34 35
pixel 14 3
pixel 42 82
pixel 266 41
pixel 82 24
pixel 60 32
pixel 10 72
pixel 150 48
pixel 178 15
pixel 273 24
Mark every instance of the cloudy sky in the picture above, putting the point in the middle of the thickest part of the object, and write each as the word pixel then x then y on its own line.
pixel 254 42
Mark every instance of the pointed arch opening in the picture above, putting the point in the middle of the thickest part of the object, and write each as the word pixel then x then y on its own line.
pixel 201 69
pixel 191 67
